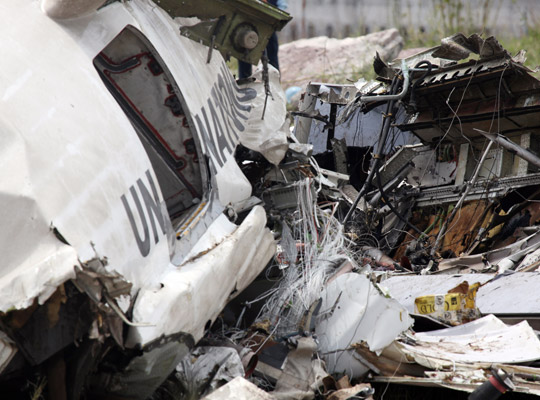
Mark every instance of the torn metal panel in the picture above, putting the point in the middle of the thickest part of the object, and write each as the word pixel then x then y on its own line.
pixel 497 188
pixel 394 165
pixel 459 357
pixel 429 167
pixel 484 341
pixel 38 273
pixel 332 93
pixel 530 262
pixel 206 281
pixel 391 361
pixel 207 368
pixel 35 261
pixel 318 126
pixel 100 284
pixel 503 258
pixel 463 380
pixel 302 372
pixel 458 47
pixel 377 320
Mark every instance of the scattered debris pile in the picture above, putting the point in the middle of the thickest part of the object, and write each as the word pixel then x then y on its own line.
pixel 406 218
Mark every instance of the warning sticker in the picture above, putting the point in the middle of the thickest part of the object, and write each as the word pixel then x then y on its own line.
pixel 454 308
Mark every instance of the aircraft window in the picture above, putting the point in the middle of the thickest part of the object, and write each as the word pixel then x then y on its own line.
pixel 143 86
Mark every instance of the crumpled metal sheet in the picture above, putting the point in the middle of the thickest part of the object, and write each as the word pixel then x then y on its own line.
pixel 206 368
pixel 458 47
pixel 48 265
pixel 504 258
pixel 484 342
pixel 302 374
pixel 353 310
pixel 204 282
pixel 268 136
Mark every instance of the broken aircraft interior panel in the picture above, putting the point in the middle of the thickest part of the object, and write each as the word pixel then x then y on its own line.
pixel 464 157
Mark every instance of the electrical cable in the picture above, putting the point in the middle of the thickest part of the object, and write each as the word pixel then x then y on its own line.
pixel 392 208
pixel 377 156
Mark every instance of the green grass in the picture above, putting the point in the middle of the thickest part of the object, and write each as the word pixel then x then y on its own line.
pixel 530 43
pixel 233 66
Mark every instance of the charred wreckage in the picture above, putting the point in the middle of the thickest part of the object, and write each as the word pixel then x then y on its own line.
pixel 166 235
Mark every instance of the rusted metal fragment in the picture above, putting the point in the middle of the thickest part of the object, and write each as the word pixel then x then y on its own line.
pixel 461 234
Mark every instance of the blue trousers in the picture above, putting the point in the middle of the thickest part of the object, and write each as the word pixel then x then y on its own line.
pixel 245 69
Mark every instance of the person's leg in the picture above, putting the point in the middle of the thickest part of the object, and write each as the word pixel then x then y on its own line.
pixel 244 70
pixel 272 50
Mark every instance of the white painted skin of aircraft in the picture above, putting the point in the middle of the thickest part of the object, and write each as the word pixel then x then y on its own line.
pixel 118 135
